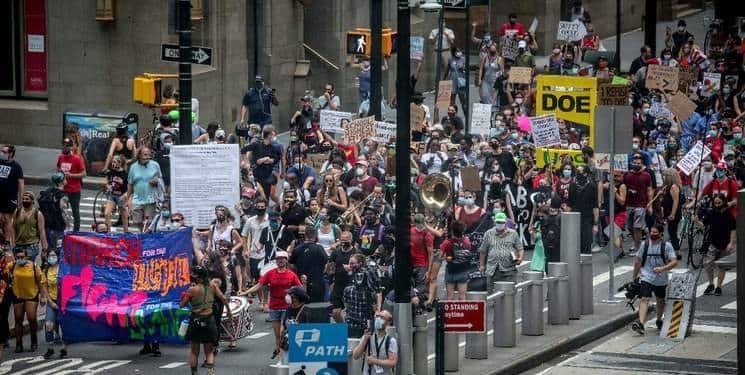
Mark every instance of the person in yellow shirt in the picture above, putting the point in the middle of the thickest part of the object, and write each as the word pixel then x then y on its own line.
pixel 26 284
pixel 50 281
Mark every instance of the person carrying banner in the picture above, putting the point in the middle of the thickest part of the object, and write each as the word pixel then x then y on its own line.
pixel 50 281
pixel 26 285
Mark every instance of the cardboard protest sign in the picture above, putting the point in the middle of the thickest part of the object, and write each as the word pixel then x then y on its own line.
pixel 661 77
pixel 509 47
pixel 470 178
pixel 545 131
pixel 681 106
pixel 571 31
pixel 693 158
pixel 686 78
pixel 416 117
pixel 359 129
pixel 480 118
pixel 610 94
pixel 520 75
pixel 331 121
pixel 384 131
pixel 417 47
pixel 317 160
pixel 444 91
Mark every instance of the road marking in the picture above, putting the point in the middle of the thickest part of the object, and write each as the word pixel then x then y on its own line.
pixel 730 306
pixel 173 365
pixel 728 278
pixel 258 335
pixel 714 329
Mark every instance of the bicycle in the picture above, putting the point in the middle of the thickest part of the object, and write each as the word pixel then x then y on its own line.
pixel 712 24
pixel 695 234
pixel 99 208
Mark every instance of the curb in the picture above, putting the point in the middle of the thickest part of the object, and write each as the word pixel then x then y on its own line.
pixel 43 181
pixel 568 344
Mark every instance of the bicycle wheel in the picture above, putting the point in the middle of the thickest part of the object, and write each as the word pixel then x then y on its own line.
pixel 99 209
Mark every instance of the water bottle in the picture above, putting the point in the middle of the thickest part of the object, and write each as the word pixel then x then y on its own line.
pixel 183 327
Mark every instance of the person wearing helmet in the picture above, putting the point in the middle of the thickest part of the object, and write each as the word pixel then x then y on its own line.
pixel 122 144
pixel 52 204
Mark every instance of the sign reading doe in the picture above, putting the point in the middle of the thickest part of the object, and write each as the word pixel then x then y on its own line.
pixel 320 342
pixel 570 98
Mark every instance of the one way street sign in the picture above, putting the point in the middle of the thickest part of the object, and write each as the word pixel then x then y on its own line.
pixel 199 55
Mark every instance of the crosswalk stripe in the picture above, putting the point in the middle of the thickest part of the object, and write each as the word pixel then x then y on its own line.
pixel 728 278
pixel 258 335
pixel 730 306
pixel 173 365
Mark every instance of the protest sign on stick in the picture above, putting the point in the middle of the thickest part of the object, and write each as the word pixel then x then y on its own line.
pixel 545 131
pixel 359 129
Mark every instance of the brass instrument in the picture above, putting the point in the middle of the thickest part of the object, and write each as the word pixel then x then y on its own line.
pixel 346 215
pixel 436 193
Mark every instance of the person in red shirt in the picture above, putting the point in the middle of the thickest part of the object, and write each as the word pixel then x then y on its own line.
pixel 278 280
pixel 73 167
pixel 422 247
pixel 512 24
pixel 639 193
pixel 725 185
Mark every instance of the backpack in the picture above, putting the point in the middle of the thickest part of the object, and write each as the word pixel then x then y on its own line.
pixel 49 205
pixel 662 254
pixel 461 255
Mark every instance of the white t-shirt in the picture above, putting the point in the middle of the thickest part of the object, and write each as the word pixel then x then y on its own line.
pixel 654 260
pixel 438 159
pixel 449 34
pixel 376 348
pixel 253 230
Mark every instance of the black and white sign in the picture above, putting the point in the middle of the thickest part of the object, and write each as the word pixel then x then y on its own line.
pixel 460 4
pixel 199 55
pixel 545 131
pixel 693 158
pixel 480 118
pixel 571 31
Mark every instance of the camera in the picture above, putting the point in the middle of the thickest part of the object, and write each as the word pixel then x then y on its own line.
pixel 632 289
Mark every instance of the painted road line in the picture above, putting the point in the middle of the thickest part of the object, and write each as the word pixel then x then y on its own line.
pixel 173 365
pixel 258 335
pixel 714 329
pixel 730 306
pixel 728 278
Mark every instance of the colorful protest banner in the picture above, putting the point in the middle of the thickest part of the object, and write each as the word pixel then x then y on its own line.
pixel 610 94
pixel 545 131
pixel 686 78
pixel 359 129
pixel 444 91
pixel 681 106
pixel 384 131
pixel 417 47
pixel 693 158
pixel 570 31
pixel 480 118
pixel 544 156
pixel 618 80
pixel 661 77
pixel 520 75
pixel 331 121
pixel 569 98
pixel 124 287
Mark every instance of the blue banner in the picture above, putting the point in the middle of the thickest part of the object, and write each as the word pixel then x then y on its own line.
pixel 317 342
pixel 124 287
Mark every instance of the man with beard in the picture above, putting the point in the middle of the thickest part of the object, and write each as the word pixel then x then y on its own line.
pixel 337 261
pixel 583 198
pixel 308 260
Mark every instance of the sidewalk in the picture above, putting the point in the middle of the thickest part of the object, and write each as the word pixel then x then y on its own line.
pixel 39 163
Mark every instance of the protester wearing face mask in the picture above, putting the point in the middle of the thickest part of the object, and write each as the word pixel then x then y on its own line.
pixel 500 252
pixel 257 103
pixel 657 162
pixel 52 319
pixel 703 175
pixel 143 183
pixel 456 73
pixel 512 24
pixel 27 289
pixel 467 211
pixel 555 61
pixel 640 194
pixel 116 196
pixel 307 259
pixel 362 297
pixel 722 185
pixel 12 189
pixel 278 280
pixel 335 268
pixel 490 70
pixel 362 179
pixel 722 227
pixel 678 37
pixel 523 59
pixel 666 58
pixel 73 167
pixel 29 228
pixel 583 198
pixel 378 350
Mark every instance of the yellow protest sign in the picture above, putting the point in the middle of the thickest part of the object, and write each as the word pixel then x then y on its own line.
pixel 570 99
pixel 544 156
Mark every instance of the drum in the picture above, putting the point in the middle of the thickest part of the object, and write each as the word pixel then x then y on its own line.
pixel 241 324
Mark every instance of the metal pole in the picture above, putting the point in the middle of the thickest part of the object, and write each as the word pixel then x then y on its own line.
pixel 618 38
pixel 587 289
pixel 420 344
pixel 504 316
pixel 476 342
pixel 278 369
pixel 532 305
pixel 740 287
pixel 650 23
pixel 354 367
pixel 570 240
pixel 438 60
pixel 467 105
pixel 376 53
pixel 402 275
pixel 452 351
pixel 612 207
pixel 439 339
pixel 558 294
pixel 184 71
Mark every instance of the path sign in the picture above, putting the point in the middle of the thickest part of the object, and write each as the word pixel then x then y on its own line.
pixel 319 342
pixel 660 77
pixel 465 316
pixel 199 55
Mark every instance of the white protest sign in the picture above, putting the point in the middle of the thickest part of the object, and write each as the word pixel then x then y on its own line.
pixel 660 110
pixel 480 118
pixel 384 131
pixel 692 159
pixel 545 131
pixel 620 162
pixel 331 121
pixel 509 47
pixel 571 31
pixel 712 81
pixel 202 177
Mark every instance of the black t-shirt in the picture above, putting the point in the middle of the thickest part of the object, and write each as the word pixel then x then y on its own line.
pixel 295 215
pixel 583 198
pixel 309 259
pixel 283 240
pixel 340 257
pixel 259 150
pixel 10 173
pixel 369 237
pixel 507 164
pixel 720 225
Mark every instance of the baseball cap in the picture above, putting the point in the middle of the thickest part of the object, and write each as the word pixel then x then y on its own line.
pixel 273 214
pixel 500 217
pixel 362 162
pixel 281 254
pixel 522 44
pixel 57 177
pixel 220 133
pixel 259 78
pixel 300 293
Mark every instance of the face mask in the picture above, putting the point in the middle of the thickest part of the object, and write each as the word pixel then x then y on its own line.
pixel 365 150
pixel 27 204
pixel 21 262
pixel 672 146
pixel 323 217
pixel 461 201
pixel 3 156
pixel 737 135
pixel 635 146
pixel 165 214
pixel 52 260
pixel 513 135
pixel 645 110
pixel 259 84
pixel 167 145
pixel 379 323
pixel 282 263
pixel 175 225
pixel 512 21
pixel 654 236
pixel 274 224
pixel 726 91
pixel 556 51
pixel 469 202
pixel 686 50
pixel 500 226
pixel 730 163
pixel 681 28
pixel 667 57
pixel 359 172
pixel 652 150
pixel 707 165
pixel 495 168
pixel 636 167
pixel 260 211
pixel 519 100
pixel 459 54
pixel 293 138
pixel 566 173
pixel 288 299
pixel 346 244
pixel 521 50
pixel 721 173
pixel 712 133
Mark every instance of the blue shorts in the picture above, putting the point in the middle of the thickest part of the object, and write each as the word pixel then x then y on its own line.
pixel 275 315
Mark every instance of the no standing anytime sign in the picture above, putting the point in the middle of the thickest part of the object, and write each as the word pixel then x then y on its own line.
pixel 465 316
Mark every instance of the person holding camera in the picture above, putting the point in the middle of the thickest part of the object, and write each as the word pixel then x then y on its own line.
pixel 379 349
pixel 654 260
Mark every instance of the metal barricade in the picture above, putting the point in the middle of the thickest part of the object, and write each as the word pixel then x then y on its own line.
pixel 532 304
pixel 587 287
pixel 504 315
pixel 570 243
pixel 558 294
pixel 476 347
pixel 354 366
pixel 420 344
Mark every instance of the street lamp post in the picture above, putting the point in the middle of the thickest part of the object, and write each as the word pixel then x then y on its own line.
pixel 402 275
pixel 184 71
pixel 376 52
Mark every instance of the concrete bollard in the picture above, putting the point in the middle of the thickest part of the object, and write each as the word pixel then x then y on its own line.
pixel 476 347
pixel 420 344
pixel 570 242
pixel 504 316
pixel 279 369
pixel 452 351
pixel 532 305
pixel 587 287
pixel 558 294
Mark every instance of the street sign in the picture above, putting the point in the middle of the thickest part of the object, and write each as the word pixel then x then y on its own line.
pixel 199 55
pixel 460 4
pixel 319 342
pixel 465 316
pixel 623 131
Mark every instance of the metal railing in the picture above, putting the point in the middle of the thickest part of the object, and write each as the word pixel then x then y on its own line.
pixel 320 57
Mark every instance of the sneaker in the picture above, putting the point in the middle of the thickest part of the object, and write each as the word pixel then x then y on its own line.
pixel 156 350
pixel 709 290
pixel 658 323
pixel 146 349
pixel 63 353
pixel 637 327
pixel 49 353
pixel 596 249
pixel 718 291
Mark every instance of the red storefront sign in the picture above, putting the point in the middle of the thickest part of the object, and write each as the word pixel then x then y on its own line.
pixel 34 47
pixel 465 316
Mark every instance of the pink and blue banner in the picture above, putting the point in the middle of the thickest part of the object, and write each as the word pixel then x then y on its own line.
pixel 124 287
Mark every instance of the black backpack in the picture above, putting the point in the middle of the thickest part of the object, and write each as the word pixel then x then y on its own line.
pixel 645 251
pixel 461 255
pixel 49 205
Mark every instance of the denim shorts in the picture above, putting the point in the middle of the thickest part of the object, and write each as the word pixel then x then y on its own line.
pixel 275 315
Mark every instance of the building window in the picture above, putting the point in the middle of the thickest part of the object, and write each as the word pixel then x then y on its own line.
pixel 197 11
pixel 105 10
pixel 23 49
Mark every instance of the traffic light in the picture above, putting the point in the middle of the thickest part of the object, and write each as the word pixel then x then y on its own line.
pixel 359 42
pixel 146 91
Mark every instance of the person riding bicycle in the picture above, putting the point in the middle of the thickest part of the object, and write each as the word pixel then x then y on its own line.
pixel 122 144
pixel 116 192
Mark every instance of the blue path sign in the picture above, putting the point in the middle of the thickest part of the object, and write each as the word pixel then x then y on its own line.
pixel 319 342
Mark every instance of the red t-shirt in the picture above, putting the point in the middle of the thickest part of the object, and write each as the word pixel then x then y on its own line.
pixel 279 283
pixel 637 184
pixel 71 164
pixel 517 26
pixel 447 246
pixel 349 151
pixel 728 187
pixel 420 242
